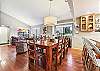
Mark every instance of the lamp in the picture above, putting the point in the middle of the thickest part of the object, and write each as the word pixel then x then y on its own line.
pixel 50 20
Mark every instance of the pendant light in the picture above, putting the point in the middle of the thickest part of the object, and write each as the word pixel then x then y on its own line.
pixel 50 20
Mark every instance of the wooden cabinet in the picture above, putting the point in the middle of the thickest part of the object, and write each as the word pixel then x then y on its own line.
pixel 88 22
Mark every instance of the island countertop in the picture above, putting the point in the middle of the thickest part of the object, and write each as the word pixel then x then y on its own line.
pixel 96 39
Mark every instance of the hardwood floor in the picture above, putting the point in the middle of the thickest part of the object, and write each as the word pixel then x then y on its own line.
pixel 73 61
pixel 9 61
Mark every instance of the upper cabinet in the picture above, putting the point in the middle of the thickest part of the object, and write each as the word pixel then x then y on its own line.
pixel 88 22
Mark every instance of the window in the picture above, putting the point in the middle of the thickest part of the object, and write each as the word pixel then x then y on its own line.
pixel 65 29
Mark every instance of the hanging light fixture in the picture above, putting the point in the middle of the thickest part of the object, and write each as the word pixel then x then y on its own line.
pixel 50 20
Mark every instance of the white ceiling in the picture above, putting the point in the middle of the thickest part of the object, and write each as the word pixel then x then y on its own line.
pixel 32 12
pixel 82 7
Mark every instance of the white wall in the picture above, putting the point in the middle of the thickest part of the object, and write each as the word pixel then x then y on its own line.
pixel 13 23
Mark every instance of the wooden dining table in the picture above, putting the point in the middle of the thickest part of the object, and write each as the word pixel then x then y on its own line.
pixel 48 46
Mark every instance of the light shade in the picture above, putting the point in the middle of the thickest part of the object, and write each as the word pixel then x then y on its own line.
pixel 50 20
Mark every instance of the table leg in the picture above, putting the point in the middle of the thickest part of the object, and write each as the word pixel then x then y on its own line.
pixel 49 59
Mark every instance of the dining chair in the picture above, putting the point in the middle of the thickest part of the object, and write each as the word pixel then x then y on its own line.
pixel 58 53
pixel 35 57
pixel 66 44
pixel 60 50
pixel 32 57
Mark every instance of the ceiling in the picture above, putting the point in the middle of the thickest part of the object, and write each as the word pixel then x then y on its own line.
pixel 82 7
pixel 32 12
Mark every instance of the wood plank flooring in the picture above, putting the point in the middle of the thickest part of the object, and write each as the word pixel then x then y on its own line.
pixel 9 61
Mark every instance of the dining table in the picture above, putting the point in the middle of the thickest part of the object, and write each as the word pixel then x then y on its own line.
pixel 48 46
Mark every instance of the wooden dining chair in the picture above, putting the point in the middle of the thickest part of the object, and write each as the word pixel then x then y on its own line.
pixel 33 60
pixel 35 57
pixel 57 54
pixel 60 50
pixel 66 44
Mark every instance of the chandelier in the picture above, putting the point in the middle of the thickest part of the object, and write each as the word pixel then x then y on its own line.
pixel 50 20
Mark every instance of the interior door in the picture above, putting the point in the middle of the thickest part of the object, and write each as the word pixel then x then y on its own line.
pixel 4 35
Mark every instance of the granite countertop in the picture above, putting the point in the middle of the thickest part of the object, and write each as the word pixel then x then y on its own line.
pixel 95 38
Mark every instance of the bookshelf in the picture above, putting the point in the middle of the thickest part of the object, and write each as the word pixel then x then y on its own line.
pixel 88 22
